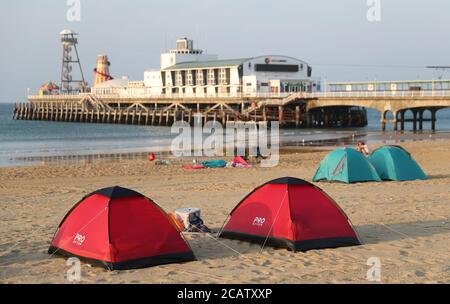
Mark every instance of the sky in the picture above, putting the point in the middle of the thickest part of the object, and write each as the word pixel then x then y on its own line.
pixel 334 37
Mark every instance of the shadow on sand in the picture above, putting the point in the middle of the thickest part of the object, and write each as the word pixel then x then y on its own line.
pixel 206 247
pixel 439 176
pixel 380 233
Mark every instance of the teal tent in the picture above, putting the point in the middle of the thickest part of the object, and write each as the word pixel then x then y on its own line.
pixel 346 165
pixel 394 163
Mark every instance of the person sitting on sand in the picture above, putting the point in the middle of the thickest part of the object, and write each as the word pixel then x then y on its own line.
pixel 362 148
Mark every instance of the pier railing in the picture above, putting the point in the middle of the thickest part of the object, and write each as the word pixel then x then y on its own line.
pixel 292 95
pixel 377 94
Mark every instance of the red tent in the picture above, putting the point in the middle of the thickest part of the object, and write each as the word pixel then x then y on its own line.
pixel 120 229
pixel 292 213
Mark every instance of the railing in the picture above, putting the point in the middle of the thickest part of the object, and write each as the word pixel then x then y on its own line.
pixel 300 95
pixel 160 96
pixel 376 94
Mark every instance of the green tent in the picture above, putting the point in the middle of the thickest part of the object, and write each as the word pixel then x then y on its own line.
pixel 346 165
pixel 394 163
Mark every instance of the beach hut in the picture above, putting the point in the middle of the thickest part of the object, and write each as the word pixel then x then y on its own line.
pixel 395 163
pixel 290 213
pixel 346 165
pixel 120 229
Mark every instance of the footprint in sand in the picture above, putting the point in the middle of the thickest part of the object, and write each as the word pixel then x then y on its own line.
pixel 404 253
pixel 262 272
pixel 419 273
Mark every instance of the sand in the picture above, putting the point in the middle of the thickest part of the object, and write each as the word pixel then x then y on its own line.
pixel 404 225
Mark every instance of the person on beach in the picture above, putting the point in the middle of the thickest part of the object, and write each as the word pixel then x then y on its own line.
pixel 362 148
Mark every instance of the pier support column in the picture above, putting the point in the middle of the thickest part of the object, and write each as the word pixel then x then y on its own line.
pixel 433 120
pixel 76 113
pixel 175 116
pixel 402 120
pixel 61 115
pixel 297 116
pixel 133 117
pixel 395 122
pixel 414 120
pixel 421 119
pixel 26 112
pixel 153 117
pixel 147 118
pixel 160 117
pixel 190 117
pixel 383 121
pixel 14 111
pixel 281 115
pixel 224 118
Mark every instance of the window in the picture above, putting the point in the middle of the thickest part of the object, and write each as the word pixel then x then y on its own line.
pixel 200 79
pixel 179 79
pixel 211 77
pixel 223 76
pixel 190 81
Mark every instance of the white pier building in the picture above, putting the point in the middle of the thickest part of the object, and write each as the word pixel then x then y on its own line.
pixel 189 72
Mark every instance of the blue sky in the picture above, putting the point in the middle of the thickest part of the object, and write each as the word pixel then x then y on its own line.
pixel 335 37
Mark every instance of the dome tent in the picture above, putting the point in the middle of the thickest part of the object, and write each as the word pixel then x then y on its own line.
pixel 291 213
pixel 120 229
pixel 396 164
pixel 346 165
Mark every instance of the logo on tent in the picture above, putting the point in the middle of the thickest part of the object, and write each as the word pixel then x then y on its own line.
pixel 259 221
pixel 79 239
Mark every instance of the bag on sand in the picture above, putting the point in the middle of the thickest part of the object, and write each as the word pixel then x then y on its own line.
pixel 192 220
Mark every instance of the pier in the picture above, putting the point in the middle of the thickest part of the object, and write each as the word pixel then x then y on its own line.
pixel 299 110
pixel 290 111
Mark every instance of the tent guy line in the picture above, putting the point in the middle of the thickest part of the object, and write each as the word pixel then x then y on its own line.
pixel 217 240
pixel 273 223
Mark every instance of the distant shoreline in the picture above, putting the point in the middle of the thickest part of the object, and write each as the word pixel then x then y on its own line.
pixel 165 153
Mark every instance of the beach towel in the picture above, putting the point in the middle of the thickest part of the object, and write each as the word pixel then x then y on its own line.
pixel 196 167
pixel 215 164
pixel 239 162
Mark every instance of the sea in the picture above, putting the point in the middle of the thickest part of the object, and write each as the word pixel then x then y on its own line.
pixel 25 143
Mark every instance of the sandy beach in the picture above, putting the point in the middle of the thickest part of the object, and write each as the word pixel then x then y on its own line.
pixel 405 225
